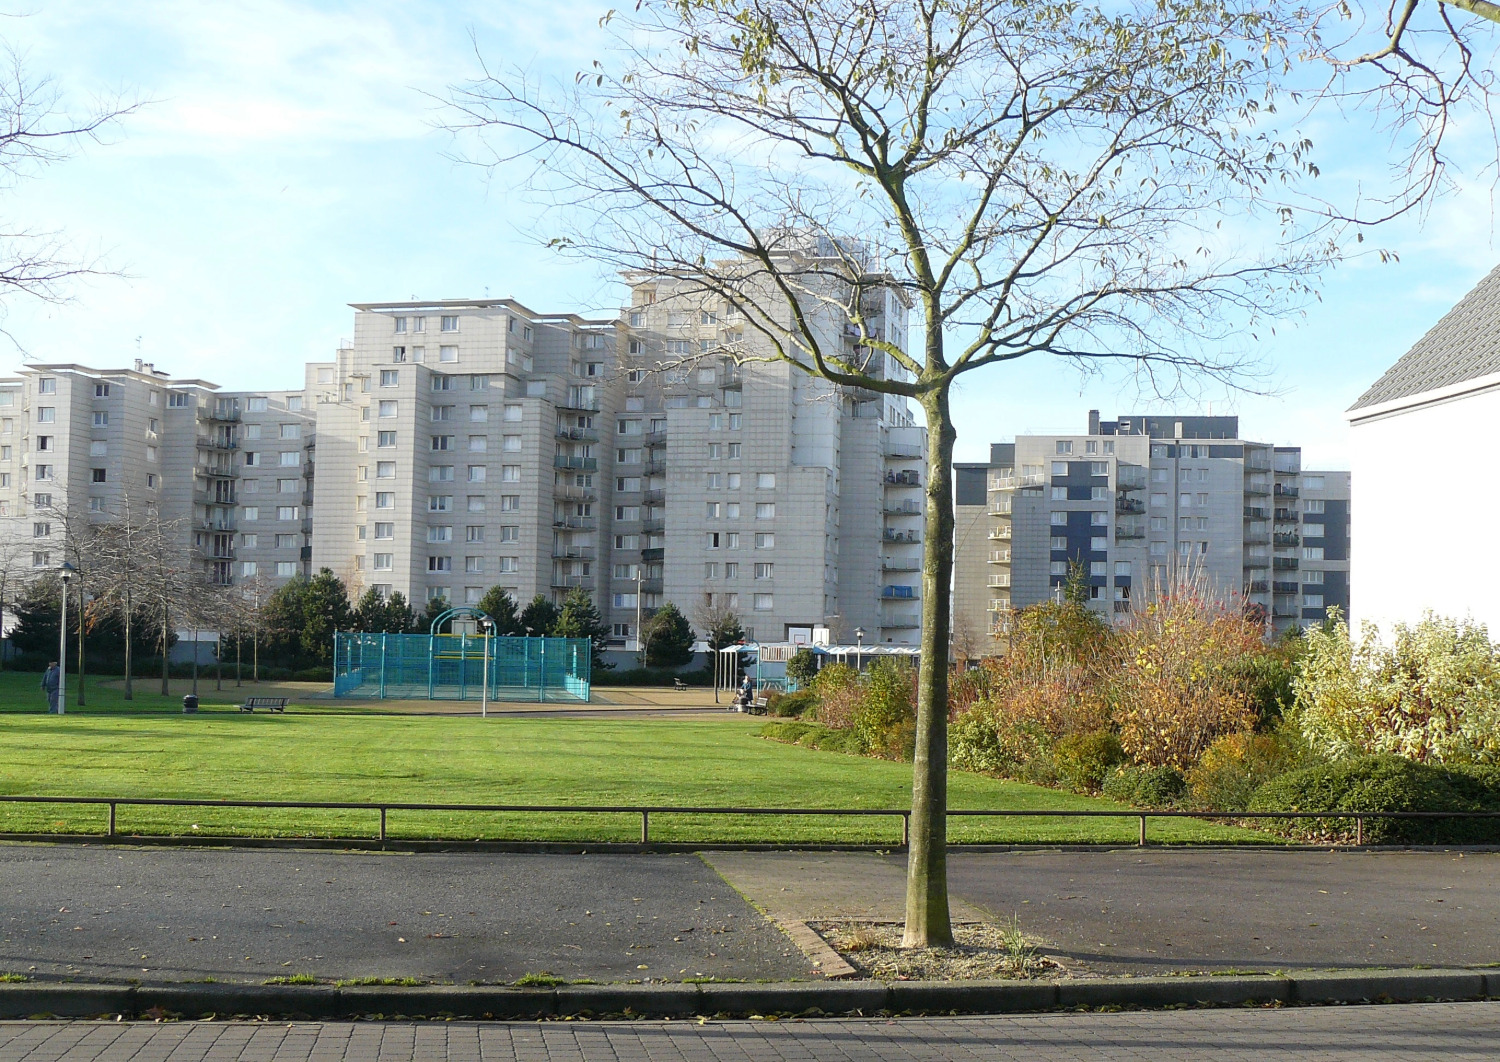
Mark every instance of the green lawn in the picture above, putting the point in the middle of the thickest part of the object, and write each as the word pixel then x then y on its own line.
pixel 149 749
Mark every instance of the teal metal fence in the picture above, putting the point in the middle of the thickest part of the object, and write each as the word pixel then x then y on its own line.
pixel 452 667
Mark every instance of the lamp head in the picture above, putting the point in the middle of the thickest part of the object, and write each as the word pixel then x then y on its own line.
pixel 66 571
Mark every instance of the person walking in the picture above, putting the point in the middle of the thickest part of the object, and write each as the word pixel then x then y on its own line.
pixel 50 679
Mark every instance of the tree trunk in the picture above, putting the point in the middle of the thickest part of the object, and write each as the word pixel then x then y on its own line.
pixel 129 683
pixel 927 918
pixel 219 662
pixel 239 652
pixel 195 661
pixel 166 647
pixel 2 624
pixel 81 626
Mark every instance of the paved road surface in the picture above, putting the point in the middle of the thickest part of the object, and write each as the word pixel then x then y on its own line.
pixel 1434 1031
pixel 1166 910
pixel 160 914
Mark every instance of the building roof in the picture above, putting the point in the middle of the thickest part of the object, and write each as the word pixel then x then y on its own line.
pixel 1464 345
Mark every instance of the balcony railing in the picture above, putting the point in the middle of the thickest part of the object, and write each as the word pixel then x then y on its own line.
pixel 999 556
pixel 1129 531
pixel 655 468
pixel 1287 538
pixel 576 493
pixel 653 555
pixel 581 464
pixel 578 434
pixel 1280 587
pixel 1256 512
pixel 1133 478
pixel 1257 538
pixel 1129 505
pixel 998 582
pixel 654 525
pixel 1285 564
pixel 654 497
pixel 572 552
pixel 903 452
pixel 1284 490
pixel 907 508
pixel 1000 534
pixel 890 534
pixel 1036 479
pixel 652 586
pixel 1253 486
pixel 1288 516
pixel 575 523
pixel 223 416
pixel 999 604
pixel 1256 586
pixel 573 582
pixel 905 622
pixel 899 566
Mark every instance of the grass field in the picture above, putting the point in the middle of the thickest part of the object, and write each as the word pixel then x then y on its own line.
pixel 149 749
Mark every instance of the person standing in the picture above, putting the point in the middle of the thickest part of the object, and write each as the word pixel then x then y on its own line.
pixel 50 679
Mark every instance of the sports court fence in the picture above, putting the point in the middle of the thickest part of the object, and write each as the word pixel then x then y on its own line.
pixel 453 667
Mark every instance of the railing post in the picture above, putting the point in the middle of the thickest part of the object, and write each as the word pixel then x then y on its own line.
pixel 1359 830
pixel 382 823
pixel 1143 831
pixel 906 829
pixel 111 832
pixel 645 826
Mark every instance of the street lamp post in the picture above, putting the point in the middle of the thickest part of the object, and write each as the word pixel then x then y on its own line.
pixel 66 572
pixel 486 625
pixel 859 648
pixel 641 651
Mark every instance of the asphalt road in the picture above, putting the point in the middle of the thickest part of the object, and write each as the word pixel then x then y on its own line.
pixel 1446 1031
pixel 1159 911
pixel 248 915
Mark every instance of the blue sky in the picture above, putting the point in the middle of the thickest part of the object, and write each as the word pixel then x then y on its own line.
pixel 289 164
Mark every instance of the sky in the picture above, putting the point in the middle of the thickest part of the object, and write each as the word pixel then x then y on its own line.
pixel 288 160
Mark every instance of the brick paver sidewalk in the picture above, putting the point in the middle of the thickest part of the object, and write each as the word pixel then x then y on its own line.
pixel 1391 1033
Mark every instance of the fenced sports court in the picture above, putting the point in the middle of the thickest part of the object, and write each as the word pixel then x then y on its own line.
pixel 457 666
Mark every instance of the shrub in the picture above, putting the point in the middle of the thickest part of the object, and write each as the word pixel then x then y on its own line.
pixel 1083 761
pixel 1235 766
pixel 885 719
pixel 1381 783
pixel 312 674
pixel 790 705
pixel 1145 787
pixel 1432 694
pixel 1182 683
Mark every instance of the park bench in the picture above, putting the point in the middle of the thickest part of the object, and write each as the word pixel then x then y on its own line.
pixel 678 684
pixel 270 704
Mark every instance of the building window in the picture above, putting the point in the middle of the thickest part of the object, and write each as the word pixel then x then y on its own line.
pixel 442 442
pixel 1312 600
pixel 448 323
pixel 384 562
pixel 252 513
pixel 765 481
pixel 765 510
pixel 1312 553
pixel 475 503
pixel 439 503
pixel 440 534
pixel 96 475
pixel 447 353
pixel 510 503
pixel 439 564
pixel 291 431
pixel 764 570
pixel 765 541
pixel 764 603
pixel 385 499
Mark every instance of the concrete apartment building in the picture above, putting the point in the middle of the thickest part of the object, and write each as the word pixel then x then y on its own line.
pixel 80 445
pixel 1136 498
pixel 465 444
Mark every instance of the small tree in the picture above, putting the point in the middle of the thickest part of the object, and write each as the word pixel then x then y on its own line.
pixel 501 607
pixel 721 626
pixel 802 668
pixel 580 619
pixel 539 616
pixel 668 638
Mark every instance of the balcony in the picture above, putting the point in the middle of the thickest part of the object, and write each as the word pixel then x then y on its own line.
pixel 1280 587
pixel 890 534
pixel 999 556
pixel 652 586
pixel 573 582
pixel 572 552
pixel 1288 538
pixel 1017 482
pixel 1256 512
pixel 908 477
pixel 653 555
pixel 999 604
pixel 654 525
pixel 998 582
pixel 1257 538
pixel 575 523
pixel 578 434
pixel 1284 613
pixel 654 497
pixel 1132 477
pixel 216 442
pixel 1258 487
pixel 899 566
pixel 1256 586
pixel 895 451
pixel 583 405
pixel 573 492
pixel 306 526
pixel 1000 534
pixel 579 464
pixel 220 416
pixel 1288 516
pixel 305 553
pixel 901 623
pixel 1129 505
pixel 657 467
pixel 1125 532
pixel 1285 564
pixel 906 508
pixel 1283 490
pixel 656 438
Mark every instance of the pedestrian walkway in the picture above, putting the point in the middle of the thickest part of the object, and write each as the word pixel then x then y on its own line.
pixel 1431 1031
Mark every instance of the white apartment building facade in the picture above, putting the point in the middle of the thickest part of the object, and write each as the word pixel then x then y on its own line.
pixel 82 446
pixel 467 444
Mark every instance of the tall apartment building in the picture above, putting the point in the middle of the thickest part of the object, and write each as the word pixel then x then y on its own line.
pixel 973 546
pixel 466 444
pixel 1134 498
pixel 83 445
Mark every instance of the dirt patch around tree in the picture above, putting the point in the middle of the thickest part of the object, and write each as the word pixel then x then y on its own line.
pixel 982 951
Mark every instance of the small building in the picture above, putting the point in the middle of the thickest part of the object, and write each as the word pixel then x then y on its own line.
pixel 1429 550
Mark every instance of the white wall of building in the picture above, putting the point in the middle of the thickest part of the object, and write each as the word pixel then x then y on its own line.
pixel 1426 490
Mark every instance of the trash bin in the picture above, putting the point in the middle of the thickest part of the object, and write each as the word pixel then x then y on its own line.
pixel 189 704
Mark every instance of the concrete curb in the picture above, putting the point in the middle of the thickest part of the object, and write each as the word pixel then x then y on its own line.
pixel 734 1000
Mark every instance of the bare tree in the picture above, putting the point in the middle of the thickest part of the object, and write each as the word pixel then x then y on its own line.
pixel 15 569
pixel 1111 185
pixel 37 131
